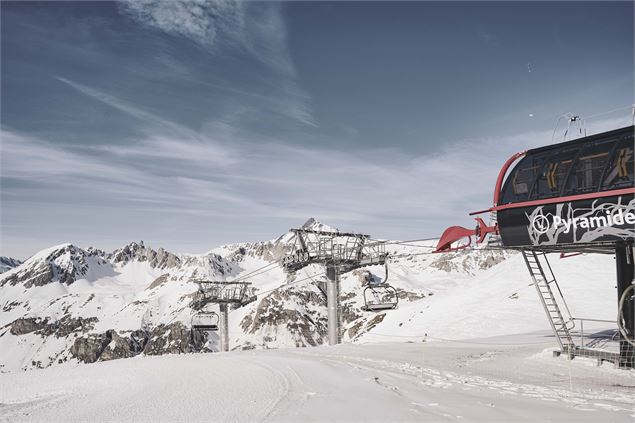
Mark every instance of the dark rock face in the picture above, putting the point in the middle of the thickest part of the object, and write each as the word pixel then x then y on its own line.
pixel 364 325
pixel 39 275
pixel 109 345
pixel 45 327
pixel 466 261
pixel 8 263
pixel 307 327
pixel 353 331
pixel 10 306
pixel 402 294
pixel 174 338
pixel 67 325
pixel 75 267
pixel 209 265
pixel 26 325
pixel 117 347
pixel 492 260
pixel 138 340
pixel 349 312
pixel 169 339
pixel 265 250
pixel 88 349
pixel 158 281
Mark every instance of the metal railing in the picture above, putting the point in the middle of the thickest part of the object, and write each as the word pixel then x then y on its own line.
pixel 582 320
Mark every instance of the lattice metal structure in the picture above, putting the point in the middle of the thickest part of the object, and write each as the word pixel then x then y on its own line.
pixel 340 252
pixel 235 294
pixel 348 250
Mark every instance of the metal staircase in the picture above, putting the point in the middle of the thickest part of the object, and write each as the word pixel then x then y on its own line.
pixel 545 283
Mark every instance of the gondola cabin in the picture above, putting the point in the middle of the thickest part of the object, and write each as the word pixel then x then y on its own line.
pixel 573 195
pixel 575 192
pixel 576 196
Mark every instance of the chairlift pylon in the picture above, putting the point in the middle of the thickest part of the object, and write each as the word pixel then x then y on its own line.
pixel 226 294
pixel 380 296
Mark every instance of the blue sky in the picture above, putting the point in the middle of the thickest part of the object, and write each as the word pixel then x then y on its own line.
pixel 190 125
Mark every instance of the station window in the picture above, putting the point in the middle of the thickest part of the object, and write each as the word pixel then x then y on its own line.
pixel 554 173
pixel 619 173
pixel 521 179
pixel 589 167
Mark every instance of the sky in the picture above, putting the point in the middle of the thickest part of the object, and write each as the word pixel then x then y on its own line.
pixel 194 124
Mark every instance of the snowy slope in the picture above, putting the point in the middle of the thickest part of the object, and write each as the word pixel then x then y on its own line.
pixel 431 381
pixel 499 300
pixel 67 304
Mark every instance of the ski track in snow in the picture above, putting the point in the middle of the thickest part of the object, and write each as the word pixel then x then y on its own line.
pixel 373 382
pixel 174 388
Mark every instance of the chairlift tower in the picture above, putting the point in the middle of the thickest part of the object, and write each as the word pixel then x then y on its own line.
pixel 235 294
pixel 339 252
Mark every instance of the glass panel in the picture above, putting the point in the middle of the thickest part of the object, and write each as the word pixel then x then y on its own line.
pixel 520 180
pixel 589 167
pixel 619 173
pixel 554 173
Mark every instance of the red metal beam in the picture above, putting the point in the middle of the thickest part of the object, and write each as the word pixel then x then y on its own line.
pixel 566 199
pixel 501 175
pixel 601 194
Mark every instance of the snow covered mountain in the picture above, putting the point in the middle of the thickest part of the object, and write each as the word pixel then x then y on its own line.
pixel 8 263
pixel 71 304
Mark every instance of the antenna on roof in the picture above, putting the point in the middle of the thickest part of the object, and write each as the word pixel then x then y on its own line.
pixel 572 120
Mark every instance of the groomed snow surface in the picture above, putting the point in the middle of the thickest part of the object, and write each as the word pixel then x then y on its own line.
pixel 496 379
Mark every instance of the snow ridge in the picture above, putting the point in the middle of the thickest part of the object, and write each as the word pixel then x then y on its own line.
pixel 70 304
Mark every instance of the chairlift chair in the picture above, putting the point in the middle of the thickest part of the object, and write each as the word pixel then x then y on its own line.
pixel 380 296
pixel 205 321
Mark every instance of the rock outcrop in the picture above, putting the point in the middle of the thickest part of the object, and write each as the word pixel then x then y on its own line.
pixel 159 259
pixel 64 264
pixel 45 326
pixel 174 338
pixel 8 263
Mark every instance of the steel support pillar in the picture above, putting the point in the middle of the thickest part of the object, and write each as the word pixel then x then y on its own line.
pixel 625 275
pixel 224 327
pixel 332 295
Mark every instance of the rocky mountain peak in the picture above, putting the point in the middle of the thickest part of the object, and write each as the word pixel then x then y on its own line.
pixel 137 251
pixel 63 263
pixel 315 225
pixel 8 263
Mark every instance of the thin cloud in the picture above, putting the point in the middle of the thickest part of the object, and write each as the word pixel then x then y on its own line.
pixel 127 108
pixel 255 28
pixel 201 21
pixel 198 182
pixel 265 181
